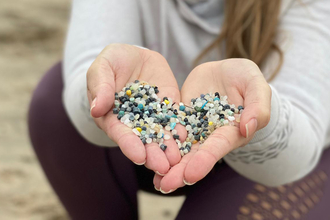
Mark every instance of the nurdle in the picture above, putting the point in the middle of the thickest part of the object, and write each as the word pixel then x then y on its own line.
pixel 151 118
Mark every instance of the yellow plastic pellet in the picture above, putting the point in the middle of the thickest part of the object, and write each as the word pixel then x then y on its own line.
pixel 139 129
pixel 128 92
pixel 194 142
pixel 210 123
pixel 167 102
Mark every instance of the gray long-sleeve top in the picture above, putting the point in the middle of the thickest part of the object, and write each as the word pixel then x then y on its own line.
pixel 290 146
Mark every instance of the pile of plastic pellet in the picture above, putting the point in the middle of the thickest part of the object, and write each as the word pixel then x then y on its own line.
pixel 153 119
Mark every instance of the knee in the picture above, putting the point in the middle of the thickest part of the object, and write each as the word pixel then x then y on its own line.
pixel 45 102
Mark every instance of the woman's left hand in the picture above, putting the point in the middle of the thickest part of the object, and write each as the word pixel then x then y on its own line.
pixel 243 83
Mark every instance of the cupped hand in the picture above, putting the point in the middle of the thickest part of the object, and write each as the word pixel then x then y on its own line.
pixel 244 84
pixel 115 66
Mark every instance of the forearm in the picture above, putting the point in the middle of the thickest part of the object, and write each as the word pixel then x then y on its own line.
pixel 282 153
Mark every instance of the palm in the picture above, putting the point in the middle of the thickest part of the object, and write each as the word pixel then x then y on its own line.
pixel 210 78
pixel 150 67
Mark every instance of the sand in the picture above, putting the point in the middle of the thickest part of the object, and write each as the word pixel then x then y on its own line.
pixel 31 40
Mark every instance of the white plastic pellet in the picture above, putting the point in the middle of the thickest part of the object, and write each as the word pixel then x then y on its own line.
pixel 167 137
pixel 231 118
pixel 149 140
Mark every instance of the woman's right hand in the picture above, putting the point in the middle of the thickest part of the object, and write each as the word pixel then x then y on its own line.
pixel 115 66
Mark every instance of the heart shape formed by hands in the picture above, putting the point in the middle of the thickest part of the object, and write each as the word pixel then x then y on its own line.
pixel 240 79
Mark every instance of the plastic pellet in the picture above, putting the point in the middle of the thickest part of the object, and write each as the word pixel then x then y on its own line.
pixel 163 147
pixel 139 108
pixel 149 140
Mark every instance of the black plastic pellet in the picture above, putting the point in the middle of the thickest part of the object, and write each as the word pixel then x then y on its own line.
pixel 144 128
pixel 175 136
pixel 115 111
pixel 163 147
pixel 240 107
pixel 197 137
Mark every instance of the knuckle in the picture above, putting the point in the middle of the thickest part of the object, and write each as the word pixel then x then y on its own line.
pixel 202 67
pixel 113 46
pixel 156 55
pixel 264 114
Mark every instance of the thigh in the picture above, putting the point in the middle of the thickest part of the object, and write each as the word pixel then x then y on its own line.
pixel 224 194
pixel 92 182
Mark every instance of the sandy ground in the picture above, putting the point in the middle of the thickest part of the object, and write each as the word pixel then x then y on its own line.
pixel 31 38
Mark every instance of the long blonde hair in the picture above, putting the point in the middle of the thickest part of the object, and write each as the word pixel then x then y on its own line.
pixel 248 31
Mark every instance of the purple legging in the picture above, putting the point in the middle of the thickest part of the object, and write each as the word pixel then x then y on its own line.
pixel 100 183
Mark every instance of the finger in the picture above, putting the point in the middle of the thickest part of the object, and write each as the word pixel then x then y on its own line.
pixel 257 106
pixel 175 177
pixel 182 132
pixel 130 144
pixel 172 151
pixel 156 159
pixel 219 143
pixel 156 181
pixel 111 70
pixel 101 87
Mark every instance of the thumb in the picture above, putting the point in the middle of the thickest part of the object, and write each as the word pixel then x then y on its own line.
pixel 257 107
pixel 101 87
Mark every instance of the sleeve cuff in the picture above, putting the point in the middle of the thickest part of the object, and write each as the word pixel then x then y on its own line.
pixel 77 108
pixel 274 118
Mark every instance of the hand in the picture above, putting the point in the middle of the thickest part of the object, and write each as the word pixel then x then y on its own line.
pixel 115 66
pixel 244 84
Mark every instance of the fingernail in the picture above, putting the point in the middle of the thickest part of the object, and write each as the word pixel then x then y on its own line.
pixel 156 188
pixel 251 127
pixel 187 183
pixel 165 192
pixel 160 174
pixel 93 104
pixel 139 163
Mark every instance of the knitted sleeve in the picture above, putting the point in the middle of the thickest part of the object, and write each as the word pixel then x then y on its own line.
pixel 289 147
